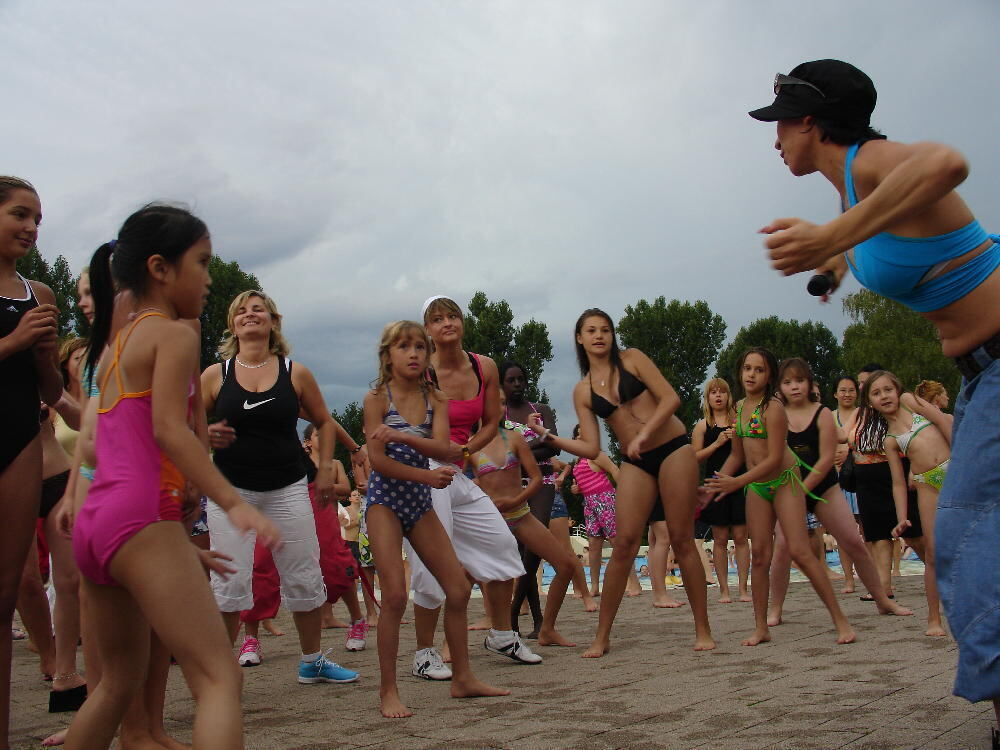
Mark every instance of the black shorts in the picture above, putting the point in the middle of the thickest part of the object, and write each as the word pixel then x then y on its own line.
pixel 729 510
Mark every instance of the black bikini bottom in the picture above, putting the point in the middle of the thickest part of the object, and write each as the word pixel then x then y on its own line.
pixel 650 460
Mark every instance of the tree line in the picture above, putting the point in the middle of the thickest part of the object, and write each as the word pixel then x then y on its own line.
pixel 684 339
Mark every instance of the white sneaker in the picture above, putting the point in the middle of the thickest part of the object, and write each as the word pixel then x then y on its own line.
pixel 357 636
pixel 250 653
pixel 427 663
pixel 509 644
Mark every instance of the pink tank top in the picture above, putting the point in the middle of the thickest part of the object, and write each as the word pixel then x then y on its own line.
pixel 464 415
pixel 589 481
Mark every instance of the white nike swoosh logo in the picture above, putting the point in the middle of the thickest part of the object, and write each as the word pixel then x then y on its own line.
pixel 248 405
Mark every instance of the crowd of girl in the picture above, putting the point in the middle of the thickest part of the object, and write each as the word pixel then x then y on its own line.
pixel 466 493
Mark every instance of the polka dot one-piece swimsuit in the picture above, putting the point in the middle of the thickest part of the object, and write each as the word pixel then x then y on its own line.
pixel 408 500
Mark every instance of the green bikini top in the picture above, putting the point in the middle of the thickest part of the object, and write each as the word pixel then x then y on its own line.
pixel 755 427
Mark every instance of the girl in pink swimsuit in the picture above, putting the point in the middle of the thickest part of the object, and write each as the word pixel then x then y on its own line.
pixel 134 553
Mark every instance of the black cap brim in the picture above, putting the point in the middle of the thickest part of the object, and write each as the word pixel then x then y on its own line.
pixel 777 111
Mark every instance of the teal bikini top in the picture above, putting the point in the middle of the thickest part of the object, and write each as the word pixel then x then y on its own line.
pixel 909 269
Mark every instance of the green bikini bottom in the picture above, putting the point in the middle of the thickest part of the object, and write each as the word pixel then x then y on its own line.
pixel 934 477
pixel 769 489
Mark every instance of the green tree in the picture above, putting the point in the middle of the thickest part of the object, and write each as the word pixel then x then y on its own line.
pixel 56 276
pixel 228 280
pixel 814 342
pixel 352 419
pixel 682 338
pixel 899 339
pixel 490 330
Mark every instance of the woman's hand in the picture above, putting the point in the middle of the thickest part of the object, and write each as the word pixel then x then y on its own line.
pixel 441 477
pixel 326 478
pixel 505 506
pixel 722 484
pixel 387 435
pixel 220 435
pixel 724 437
pixel 247 518
pixel 796 245
pixel 455 454
pixel 636 446
pixel 65 516
pixel 213 560
pixel 536 424
pixel 39 326
pixel 902 526
pixel 840 454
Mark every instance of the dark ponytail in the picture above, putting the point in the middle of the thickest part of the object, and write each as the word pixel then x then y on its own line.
pixel 155 229
pixel 102 288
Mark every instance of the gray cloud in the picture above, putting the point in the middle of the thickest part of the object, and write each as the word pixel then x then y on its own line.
pixel 360 157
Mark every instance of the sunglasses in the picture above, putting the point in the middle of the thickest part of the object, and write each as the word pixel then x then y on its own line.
pixel 780 79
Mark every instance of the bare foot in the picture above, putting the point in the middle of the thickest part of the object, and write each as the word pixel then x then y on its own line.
pixel 595 594
pixel 54 740
pixel 446 653
pixel 473 688
pixel 372 619
pixel 68 683
pixel 273 629
pixel 704 643
pixel 834 575
pixel 597 650
pixel 328 624
pixel 725 598
pixel 757 638
pixel 483 623
pixel 773 619
pixel 667 602
pixel 552 637
pixel 935 630
pixel 848 589
pixel 633 592
pixel 894 609
pixel 746 597
pixel 392 707
pixel 589 605
pixel 846 635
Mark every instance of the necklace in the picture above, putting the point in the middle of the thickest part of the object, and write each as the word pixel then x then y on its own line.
pixel 252 367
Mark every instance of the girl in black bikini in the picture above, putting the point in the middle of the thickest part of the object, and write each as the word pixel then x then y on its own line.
pixel 28 370
pixel 656 459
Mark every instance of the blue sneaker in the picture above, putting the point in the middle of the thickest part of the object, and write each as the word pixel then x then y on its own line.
pixel 324 670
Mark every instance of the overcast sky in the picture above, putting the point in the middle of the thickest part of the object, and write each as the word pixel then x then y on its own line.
pixel 360 157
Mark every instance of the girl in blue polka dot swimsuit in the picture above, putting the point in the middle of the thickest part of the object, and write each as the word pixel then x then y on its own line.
pixel 406 422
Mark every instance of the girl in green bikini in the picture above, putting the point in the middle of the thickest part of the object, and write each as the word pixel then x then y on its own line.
pixel 774 491
pixel 920 431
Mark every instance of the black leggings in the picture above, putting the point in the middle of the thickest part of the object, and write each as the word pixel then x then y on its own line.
pixel 527 585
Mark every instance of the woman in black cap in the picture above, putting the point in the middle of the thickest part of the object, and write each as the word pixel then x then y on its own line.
pixel 906 234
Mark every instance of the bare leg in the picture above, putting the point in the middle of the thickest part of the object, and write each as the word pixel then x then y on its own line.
pixel 560 530
pixel 927 498
pixel 881 552
pixel 536 537
pixel 20 488
pixel 633 587
pixel 789 505
pixel 486 621
pixel 741 555
pixel 836 516
pixel 33 606
pixel 720 554
pixel 595 557
pixel 678 484
pixel 760 522
pixel 781 567
pixel 371 609
pixel 659 545
pixel 66 580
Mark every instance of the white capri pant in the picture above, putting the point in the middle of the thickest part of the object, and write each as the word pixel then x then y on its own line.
pixel 297 561
pixel 482 541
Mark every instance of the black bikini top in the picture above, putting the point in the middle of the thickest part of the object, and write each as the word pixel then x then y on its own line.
pixel 629 386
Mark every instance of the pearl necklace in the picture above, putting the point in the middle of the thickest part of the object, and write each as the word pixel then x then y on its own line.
pixel 251 367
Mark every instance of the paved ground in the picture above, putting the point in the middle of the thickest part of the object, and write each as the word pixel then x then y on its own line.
pixel 892 689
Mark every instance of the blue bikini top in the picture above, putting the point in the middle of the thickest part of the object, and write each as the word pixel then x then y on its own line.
pixel 909 269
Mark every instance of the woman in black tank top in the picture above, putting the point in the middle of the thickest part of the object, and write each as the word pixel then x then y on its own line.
pixel 258 395
pixel 28 371
pixel 816 444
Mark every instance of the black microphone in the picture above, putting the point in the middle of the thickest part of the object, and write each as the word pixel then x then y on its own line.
pixel 821 283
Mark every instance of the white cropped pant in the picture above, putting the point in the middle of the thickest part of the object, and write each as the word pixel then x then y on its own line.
pixel 297 561
pixel 482 541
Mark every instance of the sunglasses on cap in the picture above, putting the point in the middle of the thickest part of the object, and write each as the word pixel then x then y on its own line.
pixel 780 79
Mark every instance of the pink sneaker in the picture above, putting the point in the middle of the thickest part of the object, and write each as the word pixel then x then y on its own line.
pixel 250 655
pixel 356 635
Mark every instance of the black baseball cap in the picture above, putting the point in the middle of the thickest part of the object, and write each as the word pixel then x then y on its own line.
pixel 822 88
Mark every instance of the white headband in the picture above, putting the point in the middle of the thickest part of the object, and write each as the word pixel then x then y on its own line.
pixel 430 301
